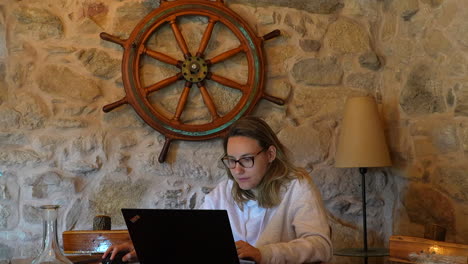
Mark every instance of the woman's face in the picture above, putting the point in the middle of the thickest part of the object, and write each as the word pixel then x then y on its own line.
pixel 242 147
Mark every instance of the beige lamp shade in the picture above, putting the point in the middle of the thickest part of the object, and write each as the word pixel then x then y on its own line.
pixel 362 141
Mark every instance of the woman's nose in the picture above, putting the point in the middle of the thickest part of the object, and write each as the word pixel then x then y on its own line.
pixel 238 168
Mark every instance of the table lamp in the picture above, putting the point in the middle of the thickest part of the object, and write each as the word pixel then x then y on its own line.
pixel 362 145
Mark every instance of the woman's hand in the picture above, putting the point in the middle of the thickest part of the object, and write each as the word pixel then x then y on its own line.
pixel 247 251
pixel 125 247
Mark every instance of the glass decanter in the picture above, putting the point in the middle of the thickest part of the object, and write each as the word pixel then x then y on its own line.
pixel 51 252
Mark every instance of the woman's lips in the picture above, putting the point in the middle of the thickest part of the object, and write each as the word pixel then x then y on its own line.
pixel 242 179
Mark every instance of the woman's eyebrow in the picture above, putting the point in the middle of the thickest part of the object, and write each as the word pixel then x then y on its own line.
pixel 241 156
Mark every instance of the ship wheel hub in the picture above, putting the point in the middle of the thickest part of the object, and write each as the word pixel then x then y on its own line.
pixel 194 69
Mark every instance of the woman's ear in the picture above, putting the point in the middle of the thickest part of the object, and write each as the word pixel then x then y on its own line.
pixel 271 153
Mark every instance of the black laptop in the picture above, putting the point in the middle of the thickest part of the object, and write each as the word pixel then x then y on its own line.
pixel 182 236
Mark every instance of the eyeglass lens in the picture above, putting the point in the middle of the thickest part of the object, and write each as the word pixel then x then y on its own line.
pixel 246 162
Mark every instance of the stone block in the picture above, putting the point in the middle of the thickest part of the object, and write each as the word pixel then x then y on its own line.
pixel 445 138
pixel 68 123
pixel 456 66
pixel 433 3
pixel 99 63
pixel 33 110
pixel 46 184
pixel 31 214
pixel 461 106
pixel 89 26
pixel 322 72
pixel 389 26
pixel 81 167
pixel 370 61
pixel 9 118
pixel 312 6
pixel 436 43
pixel 309 142
pixel 86 145
pixel 346 36
pixel 405 8
pixel 9 188
pixel 127 17
pixel 464 136
pixel 458 31
pixel 4 215
pixel 280 88
pixel 423 147
pixel 14 138
pixel 453 181
pixel 38 23
pixel 362 81
pixel 61 81
pixel 318 6
pixel 73 214
pixel 3 47
pixel 298 26
pixel 20 72
pixel 6 253
pixel 9 215
pixel 23 157
pixel 112 195
pixel 448 14
pixel 441 133
pixel 124 117
pixel 425 204
pixel 421 94
pixel 4 194
pixel 278 58
pixel 175 199
pixel 309 45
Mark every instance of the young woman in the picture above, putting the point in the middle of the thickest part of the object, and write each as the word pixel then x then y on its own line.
pixel 276 212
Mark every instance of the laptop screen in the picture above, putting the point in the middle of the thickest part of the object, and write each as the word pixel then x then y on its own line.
pixel 181 236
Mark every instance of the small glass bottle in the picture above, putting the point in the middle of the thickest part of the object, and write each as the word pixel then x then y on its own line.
pixel 51 252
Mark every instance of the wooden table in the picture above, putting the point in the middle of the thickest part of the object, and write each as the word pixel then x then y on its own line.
pixel 76 259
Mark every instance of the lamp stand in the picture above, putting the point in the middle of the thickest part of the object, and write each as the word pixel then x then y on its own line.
pixel 363 172
pixel 364 252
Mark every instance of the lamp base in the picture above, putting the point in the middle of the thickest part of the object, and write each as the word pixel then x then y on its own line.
pixel 360 252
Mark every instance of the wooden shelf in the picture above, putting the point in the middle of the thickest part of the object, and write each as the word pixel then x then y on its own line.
pixel 402 246
pixel 92 242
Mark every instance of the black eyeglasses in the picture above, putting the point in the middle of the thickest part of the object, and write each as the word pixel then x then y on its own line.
pixel 246 162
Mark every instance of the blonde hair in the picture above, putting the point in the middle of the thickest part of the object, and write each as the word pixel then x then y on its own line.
pixel 280 172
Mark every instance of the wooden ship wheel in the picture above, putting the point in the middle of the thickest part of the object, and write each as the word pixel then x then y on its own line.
pixel 192 70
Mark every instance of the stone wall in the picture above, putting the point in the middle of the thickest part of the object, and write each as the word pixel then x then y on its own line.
pixel 57 146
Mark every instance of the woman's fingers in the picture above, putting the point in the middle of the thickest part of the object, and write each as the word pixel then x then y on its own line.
pixel 245 250
pixel 109 249
pixel 125 247
pixel 130 256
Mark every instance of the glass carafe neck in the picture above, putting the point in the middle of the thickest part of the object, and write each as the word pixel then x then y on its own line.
pixel 51 252
pixel 50 236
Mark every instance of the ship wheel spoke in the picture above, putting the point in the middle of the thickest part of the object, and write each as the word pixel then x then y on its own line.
pixel 225 55
pixel 112 106
pixel 161 84
pixel 179 38
pixel 162 57
pixel 206 37
pixel 208 100
pixel 226 82
pixel 182 102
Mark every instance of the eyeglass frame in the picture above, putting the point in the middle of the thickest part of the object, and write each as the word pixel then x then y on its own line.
pixel 225 157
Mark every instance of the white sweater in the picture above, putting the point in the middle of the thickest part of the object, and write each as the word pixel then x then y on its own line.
pixel 296 231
